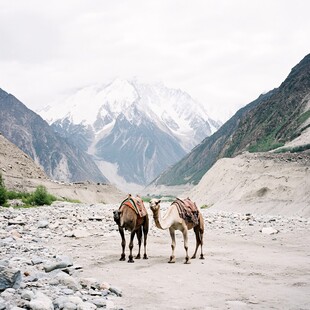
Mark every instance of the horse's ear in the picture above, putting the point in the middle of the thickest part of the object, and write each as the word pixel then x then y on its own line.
pixel 129 195
pixel 158 201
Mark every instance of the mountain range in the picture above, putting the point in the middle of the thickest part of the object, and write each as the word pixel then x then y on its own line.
pixel 132 130
pixel 267 123
pixel 59 159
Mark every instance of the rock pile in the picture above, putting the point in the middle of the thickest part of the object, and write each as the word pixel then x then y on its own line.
pixel 247 223
pixel 32 275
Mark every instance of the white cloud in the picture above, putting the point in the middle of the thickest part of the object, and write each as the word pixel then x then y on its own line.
pixel 224 53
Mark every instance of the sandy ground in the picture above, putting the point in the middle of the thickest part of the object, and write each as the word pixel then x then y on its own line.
pixel 262 183
pixel 242 269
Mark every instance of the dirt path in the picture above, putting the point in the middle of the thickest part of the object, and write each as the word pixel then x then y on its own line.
pixel 244 270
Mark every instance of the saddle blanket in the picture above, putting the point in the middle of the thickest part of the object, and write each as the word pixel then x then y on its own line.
pixel 135 203
pixel 187 210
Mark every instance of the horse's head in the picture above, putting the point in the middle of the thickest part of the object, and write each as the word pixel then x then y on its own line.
pixel 116 216
pixel 154 204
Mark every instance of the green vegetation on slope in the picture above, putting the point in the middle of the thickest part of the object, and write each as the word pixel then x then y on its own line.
pixel 263 125
pixel 39 197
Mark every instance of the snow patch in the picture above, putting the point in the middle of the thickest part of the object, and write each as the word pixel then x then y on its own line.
pixel 62 171
pixel 110 171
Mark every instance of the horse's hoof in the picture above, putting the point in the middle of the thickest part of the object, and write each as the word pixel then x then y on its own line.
pixel 145 256
pixel 187 260
pixel 193 257
pixel 172 260
pixel 122 258
pixel 201 256
pixel 138 256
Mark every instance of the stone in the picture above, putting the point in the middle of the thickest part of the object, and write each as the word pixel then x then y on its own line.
pixel 70 270
pixel 69 306
pixel 80 233
pixel 269 231
pixel 65 259
pixel 43 224
pixel 86 306
pixel 93 292
pixel 36 260
pixel 9 277
pixel 89 283
pixel 63 262
pixel 69 233
pixel 15 234
pixel 4 263
pixel 68 291
pixel 41 302
pixel 104 286
pixel 110 304
pixel 115 291
pixel 31 278
pixel 7 241
pixel 60 302
pixel 27 295
pixel 99 302
pixel 53 266
pixel 68 281
pixel 17 221
pixel 75 299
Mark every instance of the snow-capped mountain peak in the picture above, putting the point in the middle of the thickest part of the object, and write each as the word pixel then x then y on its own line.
pixel 85 105
pixel 120 89
pixel 143 128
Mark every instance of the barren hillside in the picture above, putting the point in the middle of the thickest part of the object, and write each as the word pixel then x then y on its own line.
pixel 20 173
pixel 263 183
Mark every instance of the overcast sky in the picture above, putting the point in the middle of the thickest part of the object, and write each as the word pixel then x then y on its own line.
pixel 223 53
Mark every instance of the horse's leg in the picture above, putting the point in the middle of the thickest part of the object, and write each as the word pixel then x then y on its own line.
pixel 185 237
pixel 198 240
pixel 130 257
pixel 139 236
pixel 201 231
pixel 121 231
pixel 145 232
pixel 172 234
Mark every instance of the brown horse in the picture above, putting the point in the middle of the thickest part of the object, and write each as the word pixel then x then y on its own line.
pixel 132 216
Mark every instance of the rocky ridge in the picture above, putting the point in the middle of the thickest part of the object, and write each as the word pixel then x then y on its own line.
pixel 28 131
pixel 272 120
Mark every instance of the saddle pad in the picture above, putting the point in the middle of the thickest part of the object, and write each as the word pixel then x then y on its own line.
pixel 136 204
pixel 187 210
